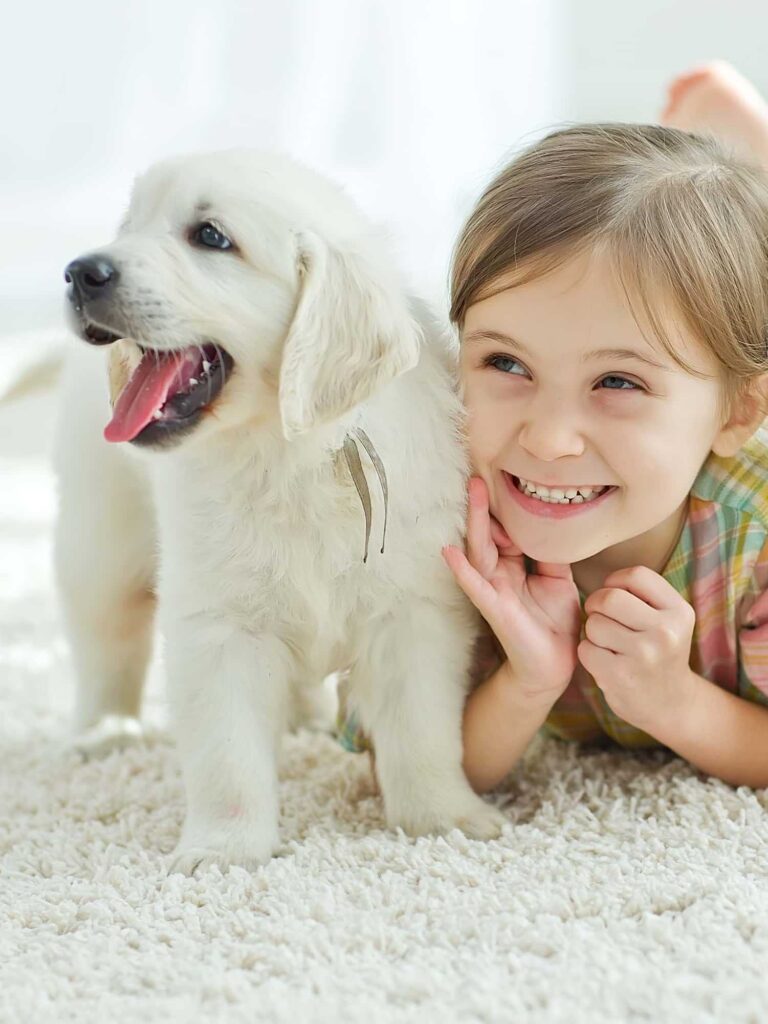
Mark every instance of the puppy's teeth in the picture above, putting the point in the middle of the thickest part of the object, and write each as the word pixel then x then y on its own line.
pixel 157 415
pixel 193 380
pixel 206 366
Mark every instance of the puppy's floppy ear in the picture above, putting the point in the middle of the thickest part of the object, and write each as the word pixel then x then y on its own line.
pixel 351 333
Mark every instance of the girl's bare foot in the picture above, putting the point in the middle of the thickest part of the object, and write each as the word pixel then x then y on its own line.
pixel 716 99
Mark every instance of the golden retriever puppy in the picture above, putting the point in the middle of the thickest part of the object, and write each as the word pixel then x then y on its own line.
pixel 268 447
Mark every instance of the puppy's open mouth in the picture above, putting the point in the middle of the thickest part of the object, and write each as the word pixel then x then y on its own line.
pixel 167 393
pixel 99 336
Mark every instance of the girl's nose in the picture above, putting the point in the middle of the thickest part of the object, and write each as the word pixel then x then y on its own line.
pixel 550 434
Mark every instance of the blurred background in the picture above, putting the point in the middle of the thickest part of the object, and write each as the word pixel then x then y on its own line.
pixel 411 104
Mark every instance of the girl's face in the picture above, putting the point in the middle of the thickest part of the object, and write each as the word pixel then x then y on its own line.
pixel 588 436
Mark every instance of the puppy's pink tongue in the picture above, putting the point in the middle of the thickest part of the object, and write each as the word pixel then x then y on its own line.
pixel 158 375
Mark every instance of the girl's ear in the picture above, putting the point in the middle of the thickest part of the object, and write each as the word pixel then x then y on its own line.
pixel 352 332
pixel 748 410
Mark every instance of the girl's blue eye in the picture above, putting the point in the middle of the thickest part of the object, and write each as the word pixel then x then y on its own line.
pixel 613 383
pixel 506 364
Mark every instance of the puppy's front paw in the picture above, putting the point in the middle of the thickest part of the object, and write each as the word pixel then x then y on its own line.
pixel 483 822
pixel 247 851
pixel 472 816
pixel 112 732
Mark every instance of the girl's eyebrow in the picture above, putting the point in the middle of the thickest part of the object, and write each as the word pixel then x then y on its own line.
pixel 597 353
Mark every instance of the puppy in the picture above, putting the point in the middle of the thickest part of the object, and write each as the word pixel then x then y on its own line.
pixel 282 462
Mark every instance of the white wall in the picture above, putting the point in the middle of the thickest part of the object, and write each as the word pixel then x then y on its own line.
pixel 619 55
pixel 409 102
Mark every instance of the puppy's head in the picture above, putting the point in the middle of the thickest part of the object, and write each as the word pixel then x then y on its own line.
pixel 241 289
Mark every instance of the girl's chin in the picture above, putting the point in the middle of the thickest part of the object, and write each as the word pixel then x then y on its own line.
pixel 559 557
pixel 550 550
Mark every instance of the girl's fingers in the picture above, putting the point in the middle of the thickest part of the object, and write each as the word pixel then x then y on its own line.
pixel 554 571
pixel 609 635
pixel 623 607
pixel 503 613
pixel 481 549
pixel 502 539
pixel 479 591
pixel 646 585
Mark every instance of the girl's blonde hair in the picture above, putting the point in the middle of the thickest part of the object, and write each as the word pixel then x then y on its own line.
pixel 684 224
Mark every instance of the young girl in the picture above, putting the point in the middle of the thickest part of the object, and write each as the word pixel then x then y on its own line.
pixel 611 294
pixel 610 290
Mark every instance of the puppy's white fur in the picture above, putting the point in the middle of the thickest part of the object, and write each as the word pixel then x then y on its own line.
pixel 250 531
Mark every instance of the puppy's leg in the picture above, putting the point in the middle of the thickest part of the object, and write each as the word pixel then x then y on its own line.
pixel 228 696
pixel 104 561
pixel 409 685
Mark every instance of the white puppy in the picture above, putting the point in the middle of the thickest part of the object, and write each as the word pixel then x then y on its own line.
pixel 261 354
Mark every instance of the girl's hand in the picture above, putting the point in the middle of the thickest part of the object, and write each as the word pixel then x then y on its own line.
pixel 536 618
pixel 638 647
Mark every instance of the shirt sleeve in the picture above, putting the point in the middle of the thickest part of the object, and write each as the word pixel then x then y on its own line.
pixel 753 635
pixel 349 733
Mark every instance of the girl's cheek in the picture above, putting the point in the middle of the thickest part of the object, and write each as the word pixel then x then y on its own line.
pixel 625 406
pixel 489 422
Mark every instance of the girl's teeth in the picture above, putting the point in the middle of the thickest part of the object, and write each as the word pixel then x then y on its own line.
pixel 559 495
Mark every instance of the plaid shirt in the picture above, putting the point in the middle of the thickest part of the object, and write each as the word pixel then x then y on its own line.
pixel 720 567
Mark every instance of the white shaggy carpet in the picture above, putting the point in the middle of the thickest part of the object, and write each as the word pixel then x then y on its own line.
pixel 625 889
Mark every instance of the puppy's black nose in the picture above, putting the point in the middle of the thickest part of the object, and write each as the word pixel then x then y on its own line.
pixel 90 277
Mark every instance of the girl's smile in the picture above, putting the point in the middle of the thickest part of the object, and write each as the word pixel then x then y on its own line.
pixel 556 502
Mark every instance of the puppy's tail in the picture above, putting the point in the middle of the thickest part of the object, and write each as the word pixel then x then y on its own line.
pixel 30 362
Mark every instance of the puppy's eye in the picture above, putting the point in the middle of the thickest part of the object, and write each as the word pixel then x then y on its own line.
pixel 209 235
